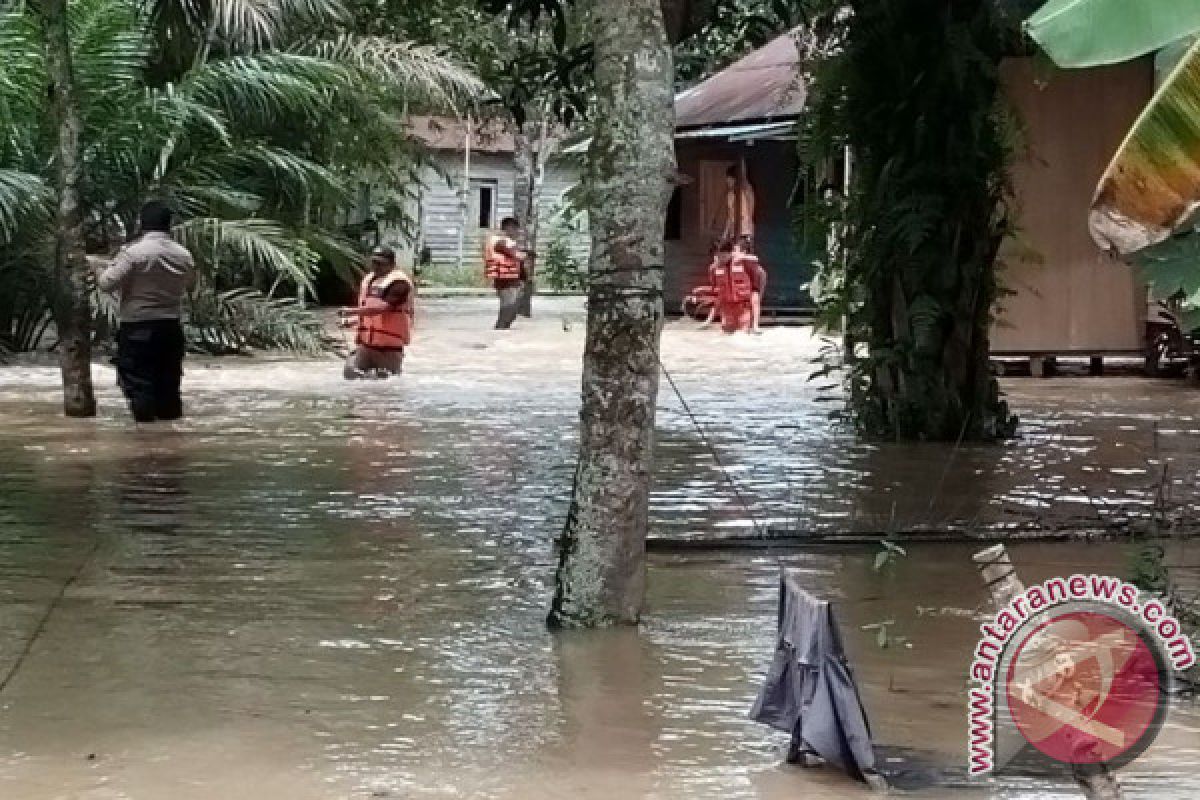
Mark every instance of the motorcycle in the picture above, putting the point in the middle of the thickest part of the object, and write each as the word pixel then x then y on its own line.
pixel 699 302
pixel 1170 350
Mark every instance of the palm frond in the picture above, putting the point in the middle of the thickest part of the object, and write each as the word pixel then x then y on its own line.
pixel 235 320
pixel 268 87
pixel 22 86
pixel 287 169
pixel 20 195
pixel 262 246
pixel 215 200
pixel 422 74
pixel 109 46
pixel 255 24
pixel 341 253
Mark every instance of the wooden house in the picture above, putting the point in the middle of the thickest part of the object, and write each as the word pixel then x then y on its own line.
pixel 470 190
pixel 1067 297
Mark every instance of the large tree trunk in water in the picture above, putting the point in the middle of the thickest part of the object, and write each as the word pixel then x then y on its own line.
pixel 71 301
pixel 602 552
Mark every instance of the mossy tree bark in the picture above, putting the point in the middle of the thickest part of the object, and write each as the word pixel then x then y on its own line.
pixel 602 551
pixel 915 92
pixel 72 300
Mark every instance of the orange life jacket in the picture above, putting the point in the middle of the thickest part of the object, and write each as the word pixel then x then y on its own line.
pixel 391 330
pixel 731 278
pixel 497 265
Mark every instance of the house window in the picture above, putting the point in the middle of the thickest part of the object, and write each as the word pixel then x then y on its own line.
pixel 674 229
pixel 486 204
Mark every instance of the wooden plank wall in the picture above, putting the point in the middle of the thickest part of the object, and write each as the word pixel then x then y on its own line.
pixel 1076 299
pixel 441 217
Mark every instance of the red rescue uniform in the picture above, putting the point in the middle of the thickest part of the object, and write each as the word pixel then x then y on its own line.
pixel 391 330
pixel 499 263
pixel 734 282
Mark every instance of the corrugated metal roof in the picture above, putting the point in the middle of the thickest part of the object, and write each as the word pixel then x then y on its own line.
pixel 449 133
pixel 741 133
pixel 764 85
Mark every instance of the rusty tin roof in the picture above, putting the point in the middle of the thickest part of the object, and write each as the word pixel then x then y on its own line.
pixel 764 85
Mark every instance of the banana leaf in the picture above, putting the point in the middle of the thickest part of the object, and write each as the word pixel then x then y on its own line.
pixel 1089 33
pixel 1167 59
pixel 1152 187
pixel 1173 268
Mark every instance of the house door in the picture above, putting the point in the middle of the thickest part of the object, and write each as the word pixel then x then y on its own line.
pixel 481 205
pixel 712 208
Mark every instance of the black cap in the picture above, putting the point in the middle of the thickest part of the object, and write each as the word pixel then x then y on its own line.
pixel 384 254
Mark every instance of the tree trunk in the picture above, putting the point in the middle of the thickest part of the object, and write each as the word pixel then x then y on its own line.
pixel 72 300
pixel 602 551
pixel 529 161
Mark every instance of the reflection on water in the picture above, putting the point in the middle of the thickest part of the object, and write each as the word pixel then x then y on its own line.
pixel 319 590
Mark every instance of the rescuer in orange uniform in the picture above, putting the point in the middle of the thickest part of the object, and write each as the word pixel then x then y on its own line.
pixel 504 266
pixel 384 318
pixel 733 275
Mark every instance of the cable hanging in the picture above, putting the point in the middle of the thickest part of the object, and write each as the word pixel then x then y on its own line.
pixel 759 528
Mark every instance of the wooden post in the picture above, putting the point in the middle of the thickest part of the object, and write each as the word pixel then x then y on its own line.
pixel 465 193
pixel 1000 577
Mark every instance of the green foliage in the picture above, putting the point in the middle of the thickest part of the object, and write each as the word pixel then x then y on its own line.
pixel 733 29
pixel 238 319
pixel 1089 33
pixel 1173 268
pixel 558 268
pixel 913 89
pixel 1149 572
pixel 256 122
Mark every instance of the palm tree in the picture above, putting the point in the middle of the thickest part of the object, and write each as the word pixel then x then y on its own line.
pixel 259 135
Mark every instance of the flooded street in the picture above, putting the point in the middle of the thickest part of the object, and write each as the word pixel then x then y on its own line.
pixel 318 589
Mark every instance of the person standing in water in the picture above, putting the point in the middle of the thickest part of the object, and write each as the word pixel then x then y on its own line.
pixel 504 266
pixel 384 319
pixel 150 276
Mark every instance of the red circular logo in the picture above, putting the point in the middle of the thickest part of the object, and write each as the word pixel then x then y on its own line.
pixel 1084 687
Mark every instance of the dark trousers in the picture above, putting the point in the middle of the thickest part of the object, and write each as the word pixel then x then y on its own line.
pixel 150 368
pixel 509 293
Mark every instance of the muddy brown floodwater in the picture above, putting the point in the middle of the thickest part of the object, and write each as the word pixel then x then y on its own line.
pixel 313 589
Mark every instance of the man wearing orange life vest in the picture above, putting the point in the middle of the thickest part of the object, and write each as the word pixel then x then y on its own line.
pixel 504 266
pixel 384 318
pixel 738 278
pixel 733 274
pixel 722 255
